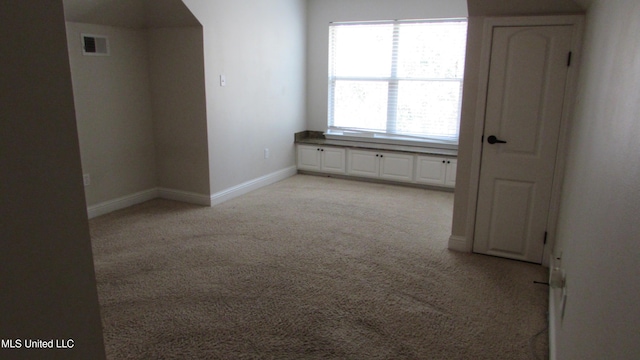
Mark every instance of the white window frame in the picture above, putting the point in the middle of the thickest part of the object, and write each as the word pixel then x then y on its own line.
pixel 389 136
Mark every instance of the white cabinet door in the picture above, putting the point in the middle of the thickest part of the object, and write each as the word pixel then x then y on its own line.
pixel 333 160
pixel 363 163
pixel 308 158
pixel 452 167
pixel 320 158
pixel 397 167
pixel 392 166
pixel 435 170
pixel 380 165
pixel 431 170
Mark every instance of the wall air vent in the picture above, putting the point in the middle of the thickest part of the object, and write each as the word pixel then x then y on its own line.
pixel 95 45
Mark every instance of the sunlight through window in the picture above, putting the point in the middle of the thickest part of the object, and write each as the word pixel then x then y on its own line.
pixel 397 78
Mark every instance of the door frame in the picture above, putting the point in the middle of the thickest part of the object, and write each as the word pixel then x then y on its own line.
pixel 577 21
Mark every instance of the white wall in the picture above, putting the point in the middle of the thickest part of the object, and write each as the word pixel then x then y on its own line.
pixel 599 225
pixel 176 68
pixel 113 110
pixel 322 12
pixel 141 112
pixel 47 281
pixel 208 138
pixel 260 47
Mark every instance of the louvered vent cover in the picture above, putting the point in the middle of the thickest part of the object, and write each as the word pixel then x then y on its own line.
pixel 95 45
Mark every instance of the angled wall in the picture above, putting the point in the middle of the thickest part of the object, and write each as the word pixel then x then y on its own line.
pixel 47 281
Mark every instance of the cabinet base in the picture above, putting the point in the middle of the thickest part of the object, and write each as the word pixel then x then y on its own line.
pixel 376 181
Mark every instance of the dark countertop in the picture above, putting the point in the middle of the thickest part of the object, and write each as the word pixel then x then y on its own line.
pixel 317 138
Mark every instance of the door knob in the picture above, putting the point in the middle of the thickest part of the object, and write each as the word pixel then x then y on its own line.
pixel 494 140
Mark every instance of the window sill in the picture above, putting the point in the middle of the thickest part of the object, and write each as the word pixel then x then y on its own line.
pixel 318 138
pixel 383 139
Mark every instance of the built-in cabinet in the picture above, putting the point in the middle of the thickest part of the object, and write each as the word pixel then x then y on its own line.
pixel 383 165
pixel 434 170
pixel 322 158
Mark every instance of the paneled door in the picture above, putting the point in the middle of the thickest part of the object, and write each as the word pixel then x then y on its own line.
pixel 524 107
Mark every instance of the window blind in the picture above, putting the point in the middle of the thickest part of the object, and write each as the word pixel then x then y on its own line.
pixel 397 77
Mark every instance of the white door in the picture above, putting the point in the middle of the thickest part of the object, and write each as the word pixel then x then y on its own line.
pixel 527 77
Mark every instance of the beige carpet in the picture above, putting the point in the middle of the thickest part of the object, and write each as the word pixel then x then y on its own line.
pixel 310 268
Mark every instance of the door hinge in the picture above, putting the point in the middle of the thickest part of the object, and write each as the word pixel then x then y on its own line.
pixel 545 237
pixel 569 59
pixel 482 139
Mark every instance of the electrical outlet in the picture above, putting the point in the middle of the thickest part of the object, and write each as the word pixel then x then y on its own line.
pixel 86 179
pixel 266 153
pixel 223 80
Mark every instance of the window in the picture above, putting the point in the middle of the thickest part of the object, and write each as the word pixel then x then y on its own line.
pixel 397 78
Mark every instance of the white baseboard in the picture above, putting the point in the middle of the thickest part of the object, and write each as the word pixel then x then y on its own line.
pixel 189 197
pixel 459 243
pixel 552 325
pixel 146 195
pixel 252 185
pixel 121 203
pixel 184 196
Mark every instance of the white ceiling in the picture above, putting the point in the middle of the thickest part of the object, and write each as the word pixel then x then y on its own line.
pixel 141 14
pixel 137 14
